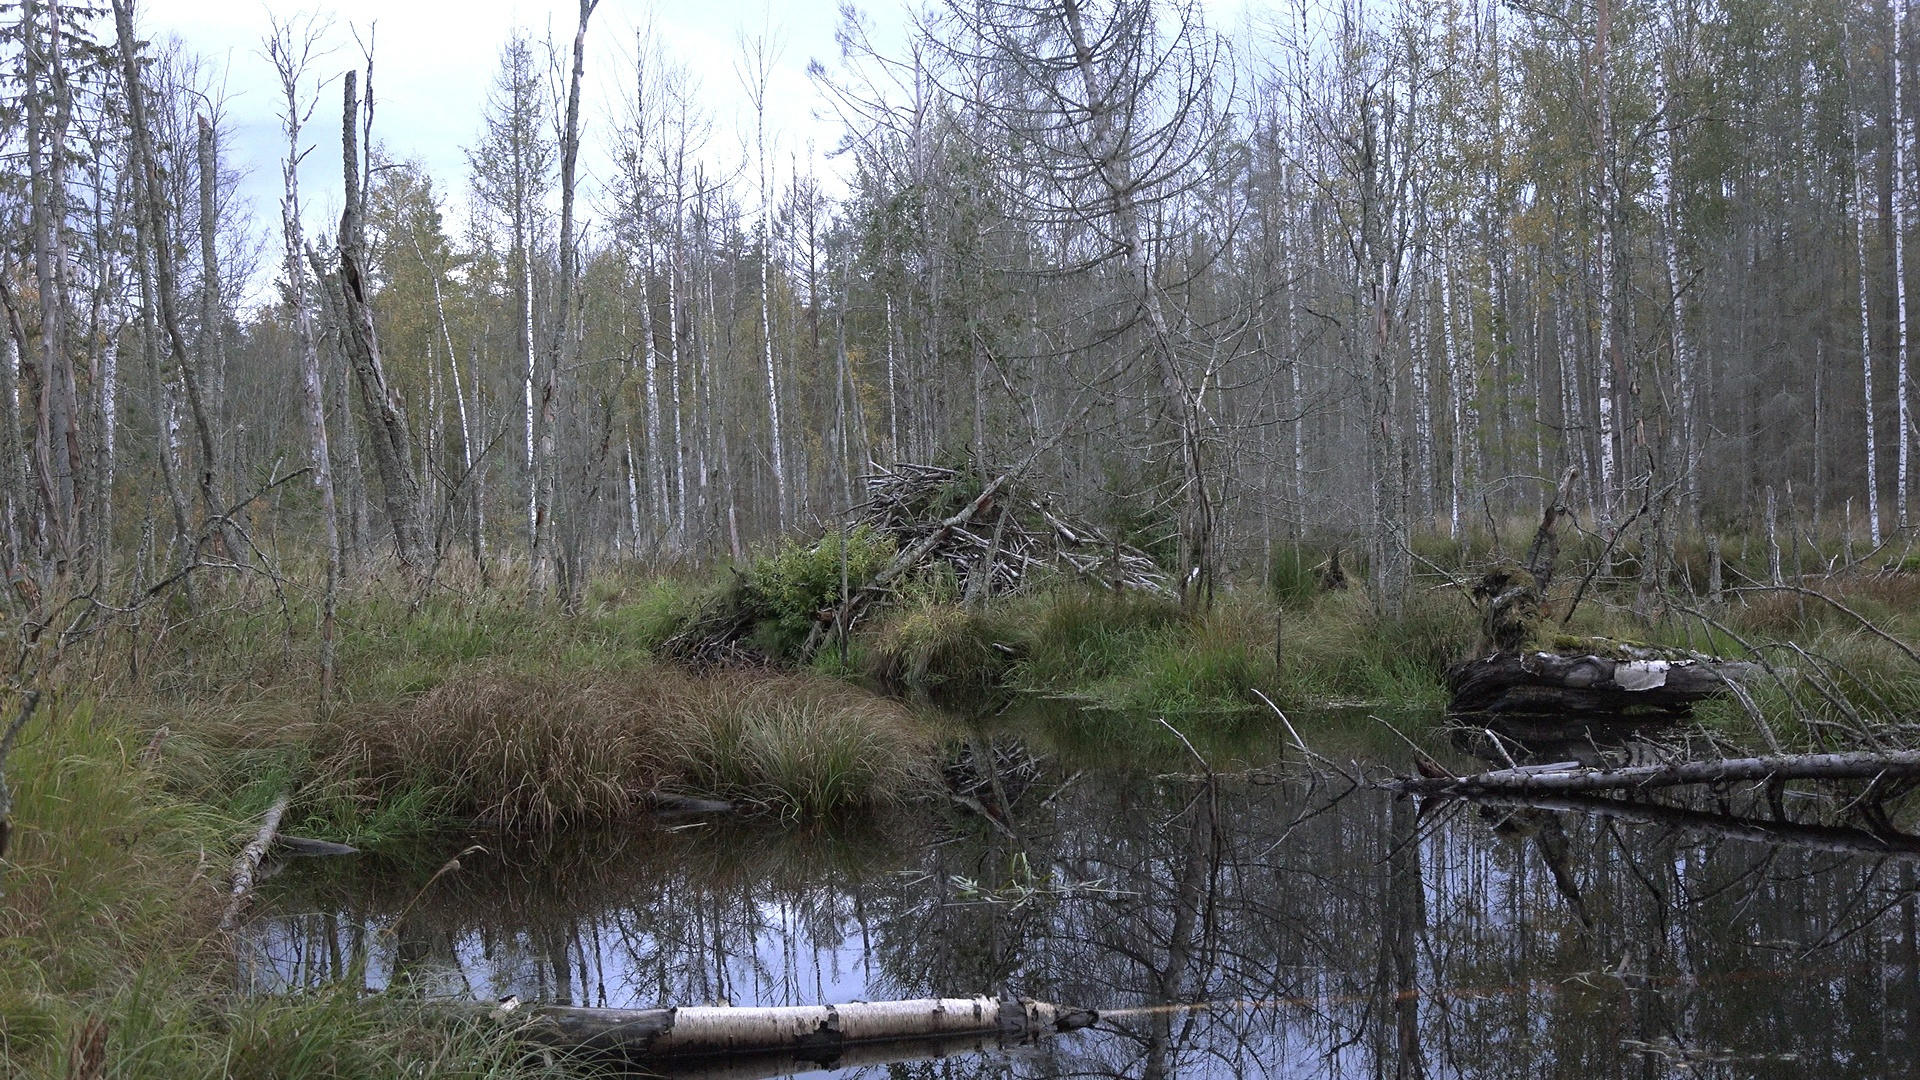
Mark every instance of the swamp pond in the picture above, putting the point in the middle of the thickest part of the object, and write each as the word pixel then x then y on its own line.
pixel 1270 923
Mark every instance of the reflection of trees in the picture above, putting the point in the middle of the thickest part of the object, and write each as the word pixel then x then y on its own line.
pixel 1229 930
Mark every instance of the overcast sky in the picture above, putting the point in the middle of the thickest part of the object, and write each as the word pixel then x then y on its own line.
pixel 434 64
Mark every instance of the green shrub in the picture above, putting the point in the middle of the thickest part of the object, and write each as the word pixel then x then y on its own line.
pixel 794 584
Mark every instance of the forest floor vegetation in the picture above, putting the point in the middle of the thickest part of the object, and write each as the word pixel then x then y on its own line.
pixel 467 709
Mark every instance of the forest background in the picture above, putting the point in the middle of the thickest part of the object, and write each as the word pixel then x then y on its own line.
pixel 1362 271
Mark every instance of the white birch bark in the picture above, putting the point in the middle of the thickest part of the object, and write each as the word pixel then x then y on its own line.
pixel 291 47
pixel 1898 136
pixel 1866 330
pixel 650 362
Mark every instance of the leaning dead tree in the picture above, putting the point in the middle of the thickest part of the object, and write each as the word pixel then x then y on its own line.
pixel 384 411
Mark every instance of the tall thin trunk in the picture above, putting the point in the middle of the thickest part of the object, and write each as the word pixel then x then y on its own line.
pixel 213 353
pixel 674 322
pixel 1460 399
pixel 47 160
pixel 290 59
pixel 650 364
pixel 893 393
pixel 1898 136
pixel 1421 346
pixel 545 571
pixel 1114 170
pixel 1866 328
pixel 153 198
pixel 383 411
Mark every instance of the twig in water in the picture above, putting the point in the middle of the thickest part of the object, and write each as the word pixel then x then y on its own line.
pixel 1204 767
pixel 1300 742
pixel 446 868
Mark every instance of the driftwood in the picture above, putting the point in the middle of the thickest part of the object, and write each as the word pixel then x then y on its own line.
pixel 1547 683
pixel 816 1032
pixel 1838 839
pixel 247 863
pixel 1536 781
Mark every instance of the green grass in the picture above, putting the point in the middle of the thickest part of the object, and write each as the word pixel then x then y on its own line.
pixel 108 948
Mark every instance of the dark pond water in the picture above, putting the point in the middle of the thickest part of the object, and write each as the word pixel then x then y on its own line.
pixel 1267 925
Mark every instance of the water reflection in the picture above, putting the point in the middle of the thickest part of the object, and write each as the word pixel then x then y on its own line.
pixel 1233 929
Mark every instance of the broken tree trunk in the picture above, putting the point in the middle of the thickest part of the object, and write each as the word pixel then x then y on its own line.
pixel 815 1030
pixel 1542 683
pixel 1535 781
pixel 247 864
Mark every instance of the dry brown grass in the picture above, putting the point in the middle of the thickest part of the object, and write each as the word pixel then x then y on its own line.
pixel 508 747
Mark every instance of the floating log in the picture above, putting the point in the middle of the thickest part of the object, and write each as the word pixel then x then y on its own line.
pixel 815 1031
pixel 1543 683
pixel 1523 781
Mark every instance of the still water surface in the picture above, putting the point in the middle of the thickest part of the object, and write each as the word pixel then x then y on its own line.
pixel 1267 924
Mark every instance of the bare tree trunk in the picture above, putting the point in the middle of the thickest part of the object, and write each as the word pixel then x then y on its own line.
pixel 213 354
pixel 757 70
pixel 1866 326
pixel 1683 358
pixel 383 411
pixel 650 361
pixel 1461 388
pixel 153 197
pixel 544 577
pixel 1114 168
pixel 46 162
pixel 1897 135
pixel 291 50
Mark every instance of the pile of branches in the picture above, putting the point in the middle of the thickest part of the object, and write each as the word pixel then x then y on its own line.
pixel 1017 534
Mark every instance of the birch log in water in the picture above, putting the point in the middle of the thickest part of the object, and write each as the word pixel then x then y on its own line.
pixel 815 1029
pixel 247 864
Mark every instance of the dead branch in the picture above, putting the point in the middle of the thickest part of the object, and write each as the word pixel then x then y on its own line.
pixel 1852 766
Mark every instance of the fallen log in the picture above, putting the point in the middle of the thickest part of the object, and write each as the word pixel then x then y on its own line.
pixel 813 1029
pixel 247 863
pixel 1543 683
pixel 1853 766
pixel 1837 839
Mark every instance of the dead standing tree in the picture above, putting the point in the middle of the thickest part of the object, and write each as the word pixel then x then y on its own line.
pixel 547 564
pixel 384 411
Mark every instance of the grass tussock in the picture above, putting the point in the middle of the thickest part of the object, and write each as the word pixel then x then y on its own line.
pixel 940 648
pixel 507 747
